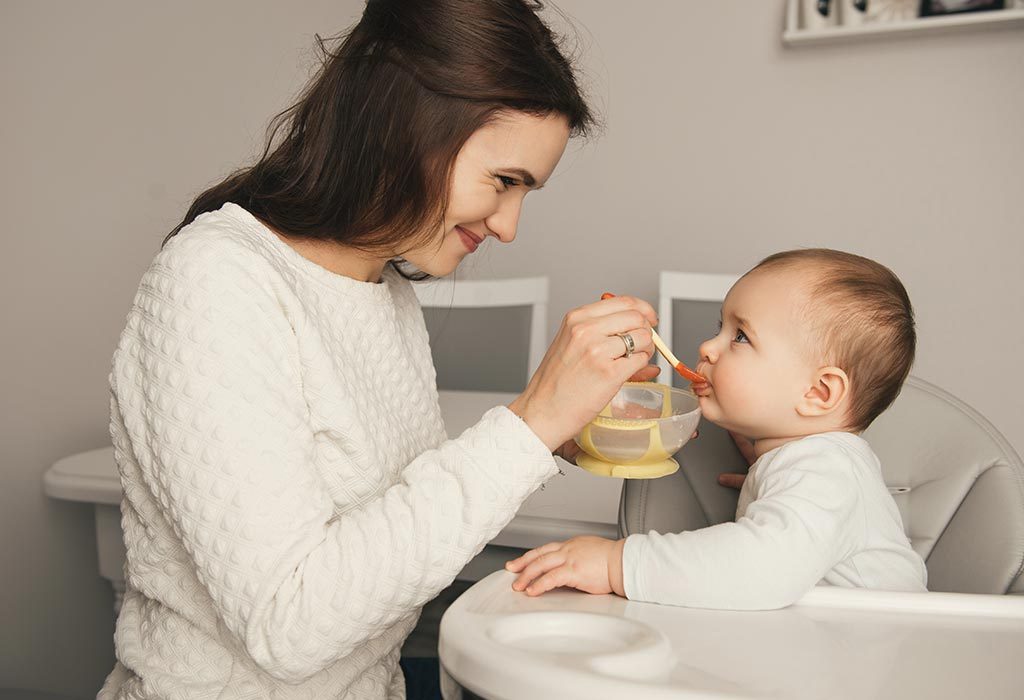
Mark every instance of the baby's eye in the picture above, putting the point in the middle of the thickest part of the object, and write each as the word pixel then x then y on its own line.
pixel 507 181
pixel 741 337
pixel 718 329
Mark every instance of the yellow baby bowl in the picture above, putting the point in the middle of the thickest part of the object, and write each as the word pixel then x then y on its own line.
pixel 635 436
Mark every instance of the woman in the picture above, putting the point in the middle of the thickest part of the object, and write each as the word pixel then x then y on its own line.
pixel 291 499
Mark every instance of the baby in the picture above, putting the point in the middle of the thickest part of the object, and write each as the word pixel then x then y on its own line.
pixel 813 346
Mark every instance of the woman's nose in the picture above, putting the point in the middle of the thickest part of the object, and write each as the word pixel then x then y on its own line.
pixel 503 223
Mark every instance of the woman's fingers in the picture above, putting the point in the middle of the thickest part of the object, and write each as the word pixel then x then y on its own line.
pixel 614 305
pixel 627 321
pixel 646 373
pixel 584 367
pixel 631 365
pixel 615 345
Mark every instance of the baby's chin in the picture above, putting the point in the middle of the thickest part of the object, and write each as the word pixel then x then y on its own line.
pixel 709 410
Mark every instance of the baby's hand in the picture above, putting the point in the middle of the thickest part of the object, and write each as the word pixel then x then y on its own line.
pixel 590 564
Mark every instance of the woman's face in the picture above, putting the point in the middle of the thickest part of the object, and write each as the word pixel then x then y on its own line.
pixel 497 166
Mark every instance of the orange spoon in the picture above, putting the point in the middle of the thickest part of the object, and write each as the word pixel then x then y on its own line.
pixel 684 371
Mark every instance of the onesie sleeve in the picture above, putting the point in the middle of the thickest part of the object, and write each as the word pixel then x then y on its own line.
pixel 802 522
pixel 207 384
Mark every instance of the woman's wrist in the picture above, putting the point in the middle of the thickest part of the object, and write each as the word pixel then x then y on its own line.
pixel 521 407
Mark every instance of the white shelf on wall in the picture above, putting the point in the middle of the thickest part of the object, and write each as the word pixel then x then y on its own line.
pixel 794 35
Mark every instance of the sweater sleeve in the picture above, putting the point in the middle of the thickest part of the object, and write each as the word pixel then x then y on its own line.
pixel 801 524
pixel 207 384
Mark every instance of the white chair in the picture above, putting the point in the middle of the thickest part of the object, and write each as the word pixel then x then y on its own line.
pixel 958 483
pixel 485 335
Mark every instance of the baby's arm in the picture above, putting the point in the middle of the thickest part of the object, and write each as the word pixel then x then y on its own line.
pixel 801 524
pixel 591 564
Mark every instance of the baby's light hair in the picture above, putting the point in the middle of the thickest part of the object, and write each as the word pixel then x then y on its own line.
pixel 863 315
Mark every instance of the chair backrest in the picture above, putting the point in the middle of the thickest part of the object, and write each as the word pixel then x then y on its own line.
pixel 689 305
pixel 485 335
pixel 958 483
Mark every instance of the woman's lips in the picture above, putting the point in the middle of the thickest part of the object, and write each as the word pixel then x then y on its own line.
pixel 471 241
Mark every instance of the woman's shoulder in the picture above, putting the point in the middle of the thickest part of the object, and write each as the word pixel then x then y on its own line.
pixel 219 239
pixel 210 268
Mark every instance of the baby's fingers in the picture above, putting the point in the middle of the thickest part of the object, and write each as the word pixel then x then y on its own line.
pixel 541 565
pixel 552 579
pixel 516 565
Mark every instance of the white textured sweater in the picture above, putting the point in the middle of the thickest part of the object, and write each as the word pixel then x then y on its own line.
pixel 291 499
pixel 813 511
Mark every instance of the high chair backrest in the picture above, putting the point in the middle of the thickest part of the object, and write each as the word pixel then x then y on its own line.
pixel 485 335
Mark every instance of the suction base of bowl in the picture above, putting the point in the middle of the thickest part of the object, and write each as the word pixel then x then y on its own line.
pixel 651 470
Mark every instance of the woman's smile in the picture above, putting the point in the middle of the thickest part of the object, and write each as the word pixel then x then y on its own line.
pixel 469 239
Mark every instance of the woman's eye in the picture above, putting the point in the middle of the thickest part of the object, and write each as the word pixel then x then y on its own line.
pixel 741 337
pixel 507 181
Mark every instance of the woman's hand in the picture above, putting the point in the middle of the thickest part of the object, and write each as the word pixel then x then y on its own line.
pixel 569 450
pixel 584 367
pixel 590 564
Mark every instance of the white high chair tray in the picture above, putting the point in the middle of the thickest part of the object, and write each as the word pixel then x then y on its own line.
pixel 834 643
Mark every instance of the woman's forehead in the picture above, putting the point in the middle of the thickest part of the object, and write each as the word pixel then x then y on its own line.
pixel 516 139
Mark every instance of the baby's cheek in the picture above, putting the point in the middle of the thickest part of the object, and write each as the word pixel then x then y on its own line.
pixel 729 392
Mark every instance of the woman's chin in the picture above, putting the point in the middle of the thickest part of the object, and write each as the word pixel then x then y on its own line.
pixel 436 267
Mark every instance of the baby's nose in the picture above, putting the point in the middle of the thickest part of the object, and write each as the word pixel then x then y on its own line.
pixel 707 352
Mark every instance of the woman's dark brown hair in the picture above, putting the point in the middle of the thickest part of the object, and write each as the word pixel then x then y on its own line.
pixel 365 156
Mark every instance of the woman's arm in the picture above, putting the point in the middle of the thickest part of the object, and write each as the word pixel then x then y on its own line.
pixel 208 385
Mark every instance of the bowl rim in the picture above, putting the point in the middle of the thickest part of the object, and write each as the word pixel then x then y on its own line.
pixel 598 420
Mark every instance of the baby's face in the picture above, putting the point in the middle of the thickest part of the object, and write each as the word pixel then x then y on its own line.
pixel 759 365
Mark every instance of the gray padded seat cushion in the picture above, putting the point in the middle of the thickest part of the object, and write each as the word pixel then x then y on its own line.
pixel 958 483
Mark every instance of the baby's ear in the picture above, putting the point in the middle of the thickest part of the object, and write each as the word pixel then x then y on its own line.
pixel 826 395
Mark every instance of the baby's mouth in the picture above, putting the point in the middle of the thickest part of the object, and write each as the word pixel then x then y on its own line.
pixel 702 388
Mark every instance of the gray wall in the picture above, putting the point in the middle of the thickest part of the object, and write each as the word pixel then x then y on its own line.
pixel 720 146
